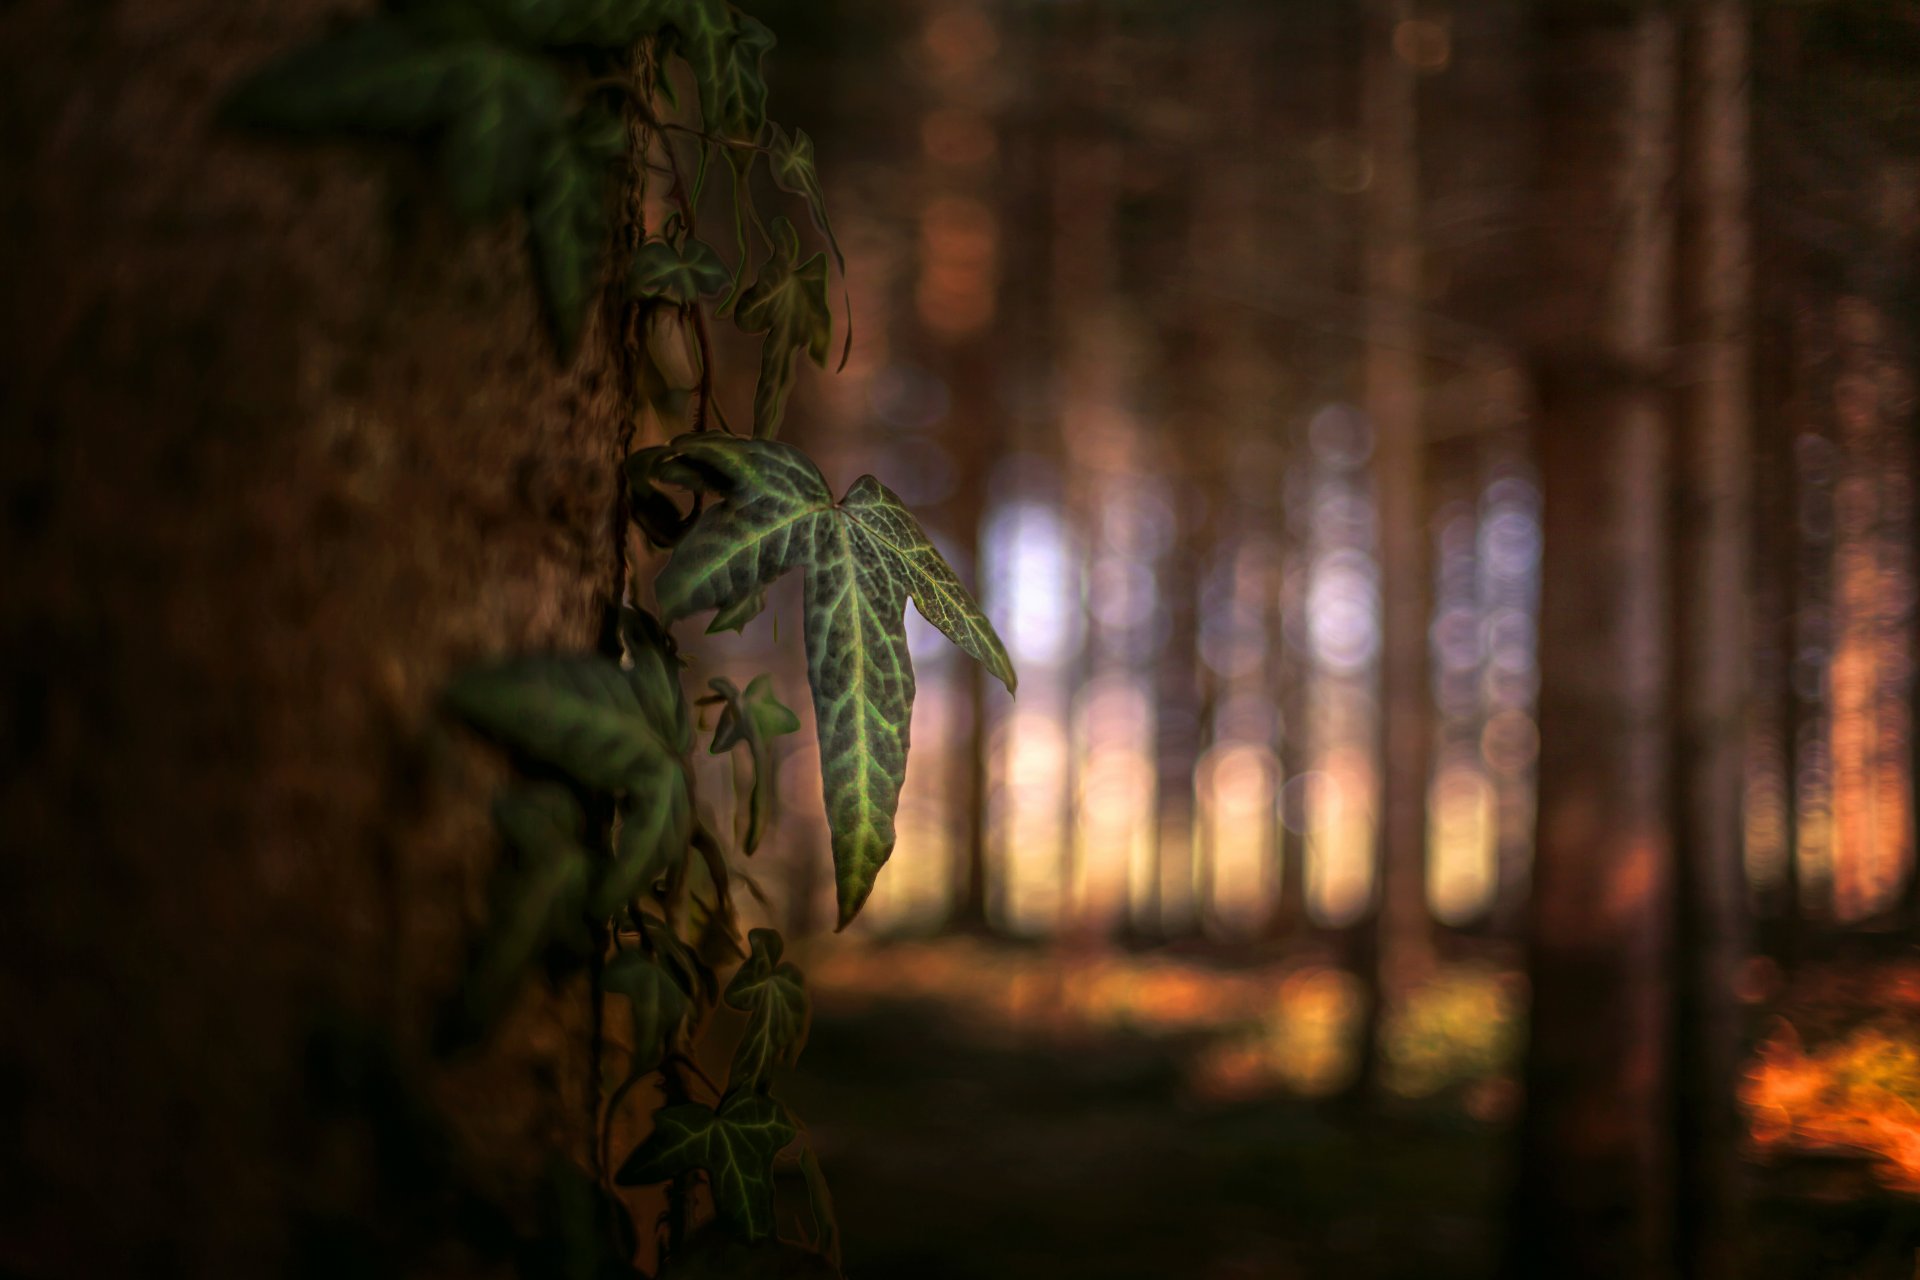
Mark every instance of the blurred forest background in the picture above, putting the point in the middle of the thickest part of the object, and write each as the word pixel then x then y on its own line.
pixel 1445 473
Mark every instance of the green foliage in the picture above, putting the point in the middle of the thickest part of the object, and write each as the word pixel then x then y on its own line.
pixel 549 111
pixel 680 274
pixel 734 1146
pixel 788 303
pixel 865 556
pixel 657 1002
pixel 773 995
pixel 753 720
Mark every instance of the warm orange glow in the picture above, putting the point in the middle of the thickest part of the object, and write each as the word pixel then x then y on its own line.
pixel 1859 1094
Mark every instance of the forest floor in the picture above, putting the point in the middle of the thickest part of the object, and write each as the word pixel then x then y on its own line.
pixel 1002 1112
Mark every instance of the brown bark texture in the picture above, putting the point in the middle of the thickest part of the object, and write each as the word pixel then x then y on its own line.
pixel 280 447
pixel 1592 1192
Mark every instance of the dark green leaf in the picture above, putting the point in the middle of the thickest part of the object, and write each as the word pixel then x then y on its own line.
pixel 865 557
pixel 538 903
pixel 682 275
pixel 653 665
pixel 656 819
pixel 657 1003
pixel 583 715
pixel 753 720
pixel 773 995
pixel 735 1146
pixel 790 157
pixel 504 118
pixel 788 303
pixel 567 233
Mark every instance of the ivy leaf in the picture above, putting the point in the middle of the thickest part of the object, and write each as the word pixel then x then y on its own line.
pixel 538 903
pixel 788 303
pixel 735 1146
pixel 567 232
pixel 773 995
pixel 753 719
pixel 865 557
pixel 584 715
pixel 790 157
pixel 656 1001
pixel 653 667
pixel 725 48
pixel 501 123
pixel 680 275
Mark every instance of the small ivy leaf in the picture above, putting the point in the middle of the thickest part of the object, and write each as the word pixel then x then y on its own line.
pixel 684 961
pixel 753 720
pixel 820 1200
pixel 865 557
pixel 501 122
pixel 653 665
pixel 583 715
pixel 774 998
pixel 657 1003
pixel 567 231
pixel 736 616
pixel 725 49
pixel 788 303
pixel 681 275
pixel 377 77
pixel 735 1146
pixel 790 157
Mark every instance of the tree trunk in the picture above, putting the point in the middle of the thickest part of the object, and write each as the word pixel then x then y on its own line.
pixel 1711 642
pixel 1395 943
pixel 281 446
pixel 1591 1197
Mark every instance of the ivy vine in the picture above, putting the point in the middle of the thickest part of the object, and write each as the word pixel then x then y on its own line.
pixel 549 111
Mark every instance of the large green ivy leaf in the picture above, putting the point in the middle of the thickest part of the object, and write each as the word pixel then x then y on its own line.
pixel 657 1004
pixel 790 157
pixel 582 714
pixel 788 303
pixel 734 1145
pixel 865 557
pixel 773 995
pixel 725 48
pixel 539 901
pixel 752 719
pixel 680 274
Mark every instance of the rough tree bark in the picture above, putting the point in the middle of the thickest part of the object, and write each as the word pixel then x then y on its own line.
pixel 280 446
pixel 1592 1191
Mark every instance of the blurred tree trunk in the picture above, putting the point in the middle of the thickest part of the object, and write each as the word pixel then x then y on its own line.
pixel 1395 946
pixel 1591 1199
pixel 1712 645
pixel 281 447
